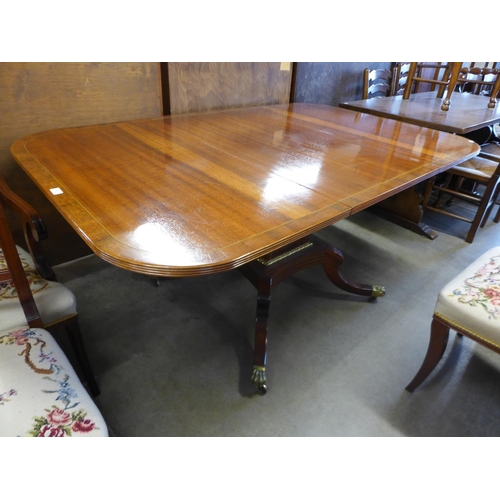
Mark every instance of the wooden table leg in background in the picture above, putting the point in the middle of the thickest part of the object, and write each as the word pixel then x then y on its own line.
pixel 269 271
pixel 405 209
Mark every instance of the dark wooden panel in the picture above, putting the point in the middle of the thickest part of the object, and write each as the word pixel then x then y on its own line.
pixel 331 82
pixel 43 96
pixel 209 86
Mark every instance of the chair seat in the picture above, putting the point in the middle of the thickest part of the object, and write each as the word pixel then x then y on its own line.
pixel 492 149
pixel 40 393
pixel 54 301
pixel 471 301
pixel 480 167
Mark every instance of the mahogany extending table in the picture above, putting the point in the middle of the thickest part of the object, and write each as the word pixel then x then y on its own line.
pixel 189 195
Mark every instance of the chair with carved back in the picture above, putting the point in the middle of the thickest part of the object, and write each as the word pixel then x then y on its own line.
pixel 55 302
pixel 377 83
pixel 471 78
pixel 480 81
pixel 40 392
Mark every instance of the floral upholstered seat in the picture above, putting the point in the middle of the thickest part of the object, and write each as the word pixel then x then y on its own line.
pixel 40 393
pixel 470 305
pixel 54 301
pixel 472 299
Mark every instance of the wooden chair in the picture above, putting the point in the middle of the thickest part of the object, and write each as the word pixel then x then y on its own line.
pixel 40 393
pixel 400 78
pixel 377 83
pixel 483 169
pixel 471 78
pixel 448 81
pixel 29 292
pixel 469 305
pixel 480 81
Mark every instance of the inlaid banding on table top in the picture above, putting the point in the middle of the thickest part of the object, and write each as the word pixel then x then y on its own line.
pixel 194 194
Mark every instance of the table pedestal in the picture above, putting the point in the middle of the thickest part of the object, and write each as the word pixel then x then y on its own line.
pixel 270 270
pixel 406 210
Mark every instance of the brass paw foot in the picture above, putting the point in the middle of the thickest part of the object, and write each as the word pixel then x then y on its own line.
pixel 378 291
pixel 259 378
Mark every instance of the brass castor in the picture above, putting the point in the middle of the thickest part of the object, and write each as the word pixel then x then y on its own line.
pixel 259 378
pixel 378 291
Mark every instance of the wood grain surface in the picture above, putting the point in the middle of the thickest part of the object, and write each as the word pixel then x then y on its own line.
pixel 195 194
pixel 209 86
pixel 36 96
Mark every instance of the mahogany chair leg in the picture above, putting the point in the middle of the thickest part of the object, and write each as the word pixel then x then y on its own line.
pixel 435 351
pixel 490 208
pixel 497 216
pixel 483 211
pixel 493 202
pixel 75 337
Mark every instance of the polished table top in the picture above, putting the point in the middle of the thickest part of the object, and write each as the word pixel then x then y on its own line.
pixel 195 194
pixel 467 112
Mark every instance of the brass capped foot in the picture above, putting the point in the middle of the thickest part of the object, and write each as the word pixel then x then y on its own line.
pixel 259 378
pixel 378 291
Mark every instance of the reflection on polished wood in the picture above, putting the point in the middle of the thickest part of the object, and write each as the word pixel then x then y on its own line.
pixel 36 96
pixel 469 112
pixel 197 194
pixel 468 115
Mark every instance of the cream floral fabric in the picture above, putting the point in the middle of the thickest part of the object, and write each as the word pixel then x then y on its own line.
pixel 472 299
pixel 482 289
pixel 40 393
pixel 54 300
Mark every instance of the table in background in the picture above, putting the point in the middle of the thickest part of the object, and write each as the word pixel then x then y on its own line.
pixel 189 195
pixel 468 115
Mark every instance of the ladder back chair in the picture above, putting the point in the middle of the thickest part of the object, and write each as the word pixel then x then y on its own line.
pixel 451 72
pixel 400 77
pixel 377 83
pixel 483 170
pixel 480 81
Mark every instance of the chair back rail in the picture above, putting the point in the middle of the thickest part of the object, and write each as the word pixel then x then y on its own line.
pixel 33 228
pixel 377 82
pixel 17 274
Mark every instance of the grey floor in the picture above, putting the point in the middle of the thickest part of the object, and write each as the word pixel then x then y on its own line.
pixel 175 360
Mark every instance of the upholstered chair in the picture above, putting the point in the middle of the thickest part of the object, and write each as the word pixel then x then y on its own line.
pixel 55 303
pixel 40 393
pixel 470 305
